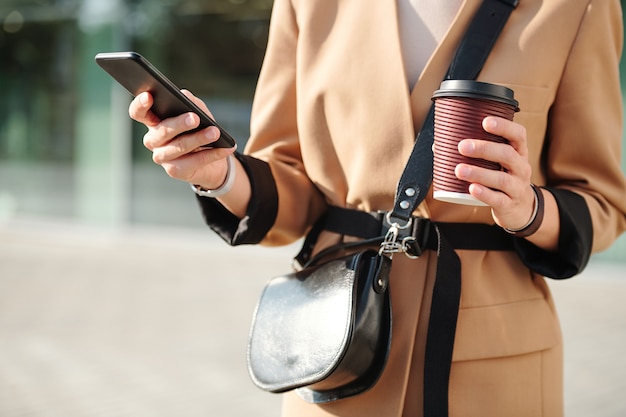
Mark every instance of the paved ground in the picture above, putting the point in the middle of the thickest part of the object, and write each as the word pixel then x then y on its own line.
pixel 153 323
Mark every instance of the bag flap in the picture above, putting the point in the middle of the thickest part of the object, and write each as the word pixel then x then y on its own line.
pixel 287 351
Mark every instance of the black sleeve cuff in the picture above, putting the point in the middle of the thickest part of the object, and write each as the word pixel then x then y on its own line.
pixel 575 240
pixel 260 214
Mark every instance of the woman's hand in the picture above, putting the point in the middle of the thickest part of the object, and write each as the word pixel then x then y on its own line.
pixel 508 191
pixel 180 154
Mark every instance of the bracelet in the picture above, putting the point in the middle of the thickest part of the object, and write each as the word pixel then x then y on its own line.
pixel 225 187
pixel 535 220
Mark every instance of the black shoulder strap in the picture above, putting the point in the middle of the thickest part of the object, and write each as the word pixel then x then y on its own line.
pixel 412 188
pixel 467 63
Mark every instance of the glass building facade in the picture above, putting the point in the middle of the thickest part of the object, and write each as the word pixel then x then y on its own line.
pixel 68 149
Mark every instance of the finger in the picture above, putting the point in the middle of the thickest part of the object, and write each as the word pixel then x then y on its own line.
pixel 501 153
pixel 139 110
pixel 493 179
pixel 498 190
pixel 203 107
pixel 490 151
pixel 491 197
pixel 184 144
pixel 209 164
pixel 507 211
pixel 197 102
pixel 515 133
pixel 168 129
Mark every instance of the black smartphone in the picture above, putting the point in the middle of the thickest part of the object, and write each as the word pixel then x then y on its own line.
pixel 137 74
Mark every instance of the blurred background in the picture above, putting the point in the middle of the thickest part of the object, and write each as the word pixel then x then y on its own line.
pixel 67 147
pixel 114 298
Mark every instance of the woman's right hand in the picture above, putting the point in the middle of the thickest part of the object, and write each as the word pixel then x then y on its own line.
pixel 180 154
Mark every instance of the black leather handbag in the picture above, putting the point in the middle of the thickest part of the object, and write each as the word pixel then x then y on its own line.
pixel 325 330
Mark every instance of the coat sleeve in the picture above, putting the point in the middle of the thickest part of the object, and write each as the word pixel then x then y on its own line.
pixel 583 147
pixel 575 239
pixel 260 213
pixel 285 203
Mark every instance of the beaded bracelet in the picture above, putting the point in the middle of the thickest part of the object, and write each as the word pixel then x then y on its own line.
pixel 535 220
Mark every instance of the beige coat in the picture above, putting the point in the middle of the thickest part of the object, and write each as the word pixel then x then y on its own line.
pixel 334 118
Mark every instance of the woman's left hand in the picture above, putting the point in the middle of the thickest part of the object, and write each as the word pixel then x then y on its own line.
pixel 507 191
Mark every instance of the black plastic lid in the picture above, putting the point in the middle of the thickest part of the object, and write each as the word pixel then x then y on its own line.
pixel 476 89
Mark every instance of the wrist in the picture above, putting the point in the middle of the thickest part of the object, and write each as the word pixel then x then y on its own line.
pixel 226 186
pixel 536 218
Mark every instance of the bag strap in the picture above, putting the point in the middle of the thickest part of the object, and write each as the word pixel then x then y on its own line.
pixel 411 191
pixel 468 60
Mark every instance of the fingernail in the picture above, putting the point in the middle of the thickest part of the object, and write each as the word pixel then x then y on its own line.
pixel 190 121
pixel 462 171
pixel 466 147
pixel 475 189
pixel 143 99
pixel 212 133
pixel 490 123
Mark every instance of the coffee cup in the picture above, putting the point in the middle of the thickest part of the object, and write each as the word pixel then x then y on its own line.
pixel 460 107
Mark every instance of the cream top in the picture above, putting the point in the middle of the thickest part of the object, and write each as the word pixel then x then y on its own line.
pixel 423 24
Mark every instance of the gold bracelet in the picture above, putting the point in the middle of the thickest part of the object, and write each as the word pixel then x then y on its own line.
pixel 535 220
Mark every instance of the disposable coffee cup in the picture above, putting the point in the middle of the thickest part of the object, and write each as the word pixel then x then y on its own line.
pixel 460 107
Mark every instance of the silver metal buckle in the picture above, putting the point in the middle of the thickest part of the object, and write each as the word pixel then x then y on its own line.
pixel 391 245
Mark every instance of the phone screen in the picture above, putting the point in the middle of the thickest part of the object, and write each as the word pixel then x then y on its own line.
pixel 136 74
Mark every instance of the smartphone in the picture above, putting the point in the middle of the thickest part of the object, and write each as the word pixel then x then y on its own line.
pixel 136 74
